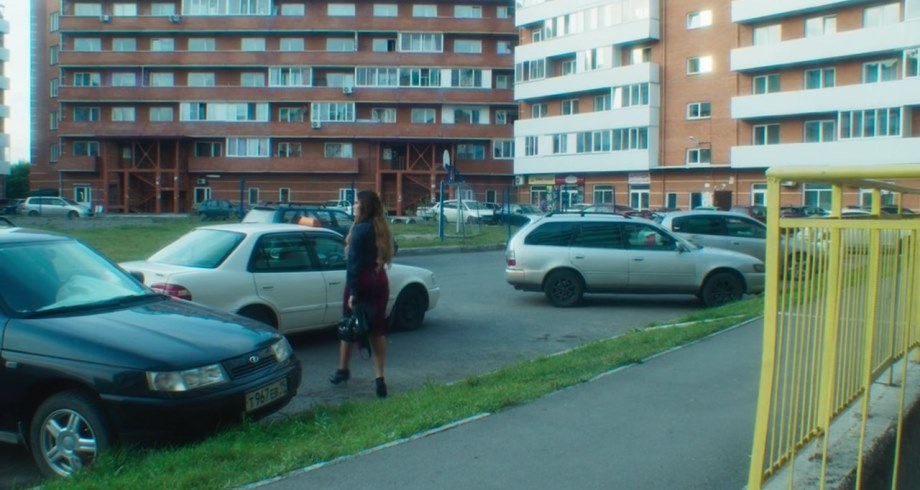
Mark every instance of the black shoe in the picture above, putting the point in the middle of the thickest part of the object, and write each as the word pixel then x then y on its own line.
pixel 339 376
pixel 381 388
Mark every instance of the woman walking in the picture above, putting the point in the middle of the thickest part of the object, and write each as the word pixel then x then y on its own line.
pixel 369 246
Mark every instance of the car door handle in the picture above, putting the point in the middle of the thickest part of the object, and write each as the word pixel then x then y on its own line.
pixel 578 257
pixel 268 287
pixel 736 243
pixel 638 259
pixel 335 283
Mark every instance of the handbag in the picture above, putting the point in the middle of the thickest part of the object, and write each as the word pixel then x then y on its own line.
pixel 356 326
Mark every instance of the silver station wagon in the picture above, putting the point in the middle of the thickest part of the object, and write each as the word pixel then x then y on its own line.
pixel 568 255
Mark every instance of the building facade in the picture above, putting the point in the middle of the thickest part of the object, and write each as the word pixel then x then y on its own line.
pixel 5 153
pixel 152 106
pixel 686 103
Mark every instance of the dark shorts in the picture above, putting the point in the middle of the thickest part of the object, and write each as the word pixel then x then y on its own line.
pixel 373 288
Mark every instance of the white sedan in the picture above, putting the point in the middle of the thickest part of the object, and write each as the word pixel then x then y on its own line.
pixel 289 276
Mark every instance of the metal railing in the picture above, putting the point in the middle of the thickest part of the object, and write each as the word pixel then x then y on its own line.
pixel 840 320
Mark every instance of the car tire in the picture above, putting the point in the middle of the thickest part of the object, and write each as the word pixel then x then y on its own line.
pixel 33 213
pixel 722 288
pixel 259 313
pixel 409 310
pixel 67 433
pixel 564 288
pixel 73 215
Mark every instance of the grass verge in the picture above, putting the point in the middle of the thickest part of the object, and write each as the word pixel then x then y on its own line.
pixel 255 451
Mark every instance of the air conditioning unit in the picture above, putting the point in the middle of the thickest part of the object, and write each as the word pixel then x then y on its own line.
pixel 175 19
pixel 348 89
pixel 105 18
pixel 788 183
pixel 519 180
pixel 202 181
pixel 316 124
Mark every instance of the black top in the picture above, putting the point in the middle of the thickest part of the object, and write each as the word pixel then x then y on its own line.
pixel 362 254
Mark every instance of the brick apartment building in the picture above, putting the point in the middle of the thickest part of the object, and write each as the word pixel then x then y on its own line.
pixel 151 106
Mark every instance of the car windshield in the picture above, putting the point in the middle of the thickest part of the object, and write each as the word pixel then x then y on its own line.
pixel 201 248
pixel 71 202
pixel 46 275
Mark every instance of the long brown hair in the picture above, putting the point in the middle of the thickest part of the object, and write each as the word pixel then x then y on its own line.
pixel 371 209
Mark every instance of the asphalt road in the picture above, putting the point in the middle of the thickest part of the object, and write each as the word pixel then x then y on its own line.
pixel 480 325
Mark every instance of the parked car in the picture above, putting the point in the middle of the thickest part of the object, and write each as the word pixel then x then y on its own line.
pixel 288 276
pixel 568 255
pixel 53 206
pixel 215 209
pixel 517 214
pixel 90 356
pixel 333 219
pixel 10 206
pixel 802 212
pixel 341 205
pixel 465 210
pixel 720 229
pixel 757 212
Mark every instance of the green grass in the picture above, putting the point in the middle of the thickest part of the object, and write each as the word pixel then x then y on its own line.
pixel 255 451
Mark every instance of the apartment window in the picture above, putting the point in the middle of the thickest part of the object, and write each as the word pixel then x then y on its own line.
pixel 631 95
pixel 54 120
pixel 340 79
pixel 569 106
pixel 253 195
pixel 202 44
pixel 466 116
pixel 162 9
pixel 602 102
pixel 639 196
pixel 382 45
pixel 820 26
pixel 289 150
pixel 288 76
pixel 386 10
pixel 505 117
pixel 124 9
pixel 603 194
pixel 87 9
pixel 630 139
pixel 504 12
pixel 820 78
pixel 374 76
pixel 337 150
pixel 162 44
pixel 880 71
pixel 817 195
pixel 593 141
pixel 193 111
pixel 200 79
pixel 162 79
pixel 471 151
pixel 912 63
pixel 701 64
pixel 123 114
pixel 291 114
pixel 54 22
pixel 421 42
pixel 531 146
pixel 86 79
pixel 466 77
pixel 560 143
pixel 284 194
pixel 698 156
pixel 766 84
pixel 341 44
pixel 766 134
pixel 124 44
pixel 341 10
pixel 538 110
pixel 882 15
pixel 640 55
pixel 699 110
pixel 820 131
pixel 423 116
pixel 332 111
pixel 467 11
pixel 424 11
pixel 697 20
pixel 53 55
pixel 503 81
pixel 765 35
pixel 473 46
pixel 161 114
pixel 252 44
pixel 208 149
pixel 598 58
pixel 420 77
pixel 503 149
pixel 293 9
pixel 290 44
pixel 384 115
pixel 124 79
pixel 537 70
pixel 758 194
pixel 871 123
pixel 85 148
pixel 92 44
pixel 54 87
pixel 536 35
pixel 248 147
pixel 252 79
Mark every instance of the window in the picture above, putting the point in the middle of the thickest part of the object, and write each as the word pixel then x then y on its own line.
pixel 880 71
pixel 631 95
pixel 598 58
pixel 420 77
pixel 253 195
pixel 208 149
pixel 340 44
pixel 54 153
pixel 568 67
pixel 603 194
pixel 593 141
pixel 696 20
pixel 252 79
pixel 766 134
pixel 505 117
pixel 503 149
pixel 912 63
pixel 248 147
pixel 200 79
pixel 820 131
pixel 85 148
pixel 471 151
pixel 386 10
pixel 372 76
pixel 54 87
pixel 86 80
pixel 53 53
pixel 122 79
pixel 538 110
pixel 871 123
pixel 820 78
pixel 820 26
pixel 291 114
pixel 530 70
pixel 699 110
pixel 504 47
pixel 758 194
pixel 640 55
pixel 54 22
pixel 504 12
pixel 630 139
pixel 765 35
pixel 466 116
pixel 252 44
pixel 161 113
pixel 766 84
pixel 87 44
pixel 466 77
pixel 162 44
pixel 87 9
pixel 382 45
pixel 284 194
pixel 702 64
pixel 424 11
pixel 124 44
pixel 337 150
pixel 332 111
pixel 340 10
pixel 467 11
pixel 201 44
pixel 161 80
pixel 289 76
pixel 639 199
pixel 468 46
pixel 289 150
pixel 502 81
pixel 120 114
pixel 423 116
pixel 291 44
pixel 53 120
pixel 560 143
pixel 882 15
pixel 569 106
pixel 340 79
pixel 162 9
pixel 384 115
pixel 124 9
pixel 293 9
pixel 817 195
pixel 602 102
pixel 531 146
pixel 697 156
pixel 421 42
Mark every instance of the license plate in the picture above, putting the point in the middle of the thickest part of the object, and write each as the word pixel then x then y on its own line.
pixel 265 395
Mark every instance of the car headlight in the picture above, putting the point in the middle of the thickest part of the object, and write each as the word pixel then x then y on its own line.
pixel 759 268
pixel 190 379
pixel 282 350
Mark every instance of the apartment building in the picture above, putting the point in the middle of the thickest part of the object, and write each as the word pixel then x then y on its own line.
pixel 151 106
pixel 686 103
pixel 5 154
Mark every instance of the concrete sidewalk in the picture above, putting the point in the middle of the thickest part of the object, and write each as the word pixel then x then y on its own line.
pixel 681 420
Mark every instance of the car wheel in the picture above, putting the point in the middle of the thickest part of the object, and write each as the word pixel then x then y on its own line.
pixel 409 310
pixel 721 288
pixel 260 314
pixel 67 433
pixel 564 288
pixel 33 213
pixel 72 215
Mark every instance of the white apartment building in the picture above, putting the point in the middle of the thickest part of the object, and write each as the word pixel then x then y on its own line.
pixel 5 155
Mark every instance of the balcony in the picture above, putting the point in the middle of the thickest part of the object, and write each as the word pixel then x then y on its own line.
pixel 632 32
pixel 70 163
pixel 876 151
pixel 587 81
pixel 537 11
pixel 618 161
pixel 811 50
pixel 627 117
pixel 894 93
pixel 275 165
pixel 756 10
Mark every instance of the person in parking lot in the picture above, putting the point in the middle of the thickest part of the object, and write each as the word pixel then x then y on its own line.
pixel 369 246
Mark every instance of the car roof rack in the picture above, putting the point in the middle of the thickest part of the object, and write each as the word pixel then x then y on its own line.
pixel 585 213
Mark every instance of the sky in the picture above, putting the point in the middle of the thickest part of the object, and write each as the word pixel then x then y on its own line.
pixel 17 69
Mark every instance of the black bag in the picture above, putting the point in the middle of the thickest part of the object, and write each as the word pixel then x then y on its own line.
pixel 356 326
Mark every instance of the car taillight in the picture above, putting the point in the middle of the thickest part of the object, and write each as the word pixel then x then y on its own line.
pixel 510 261
pixel 173 290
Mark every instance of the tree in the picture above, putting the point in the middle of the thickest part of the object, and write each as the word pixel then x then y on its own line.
pixel 17 183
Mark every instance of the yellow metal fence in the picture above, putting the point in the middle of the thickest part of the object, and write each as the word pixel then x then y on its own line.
pixel 840 319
